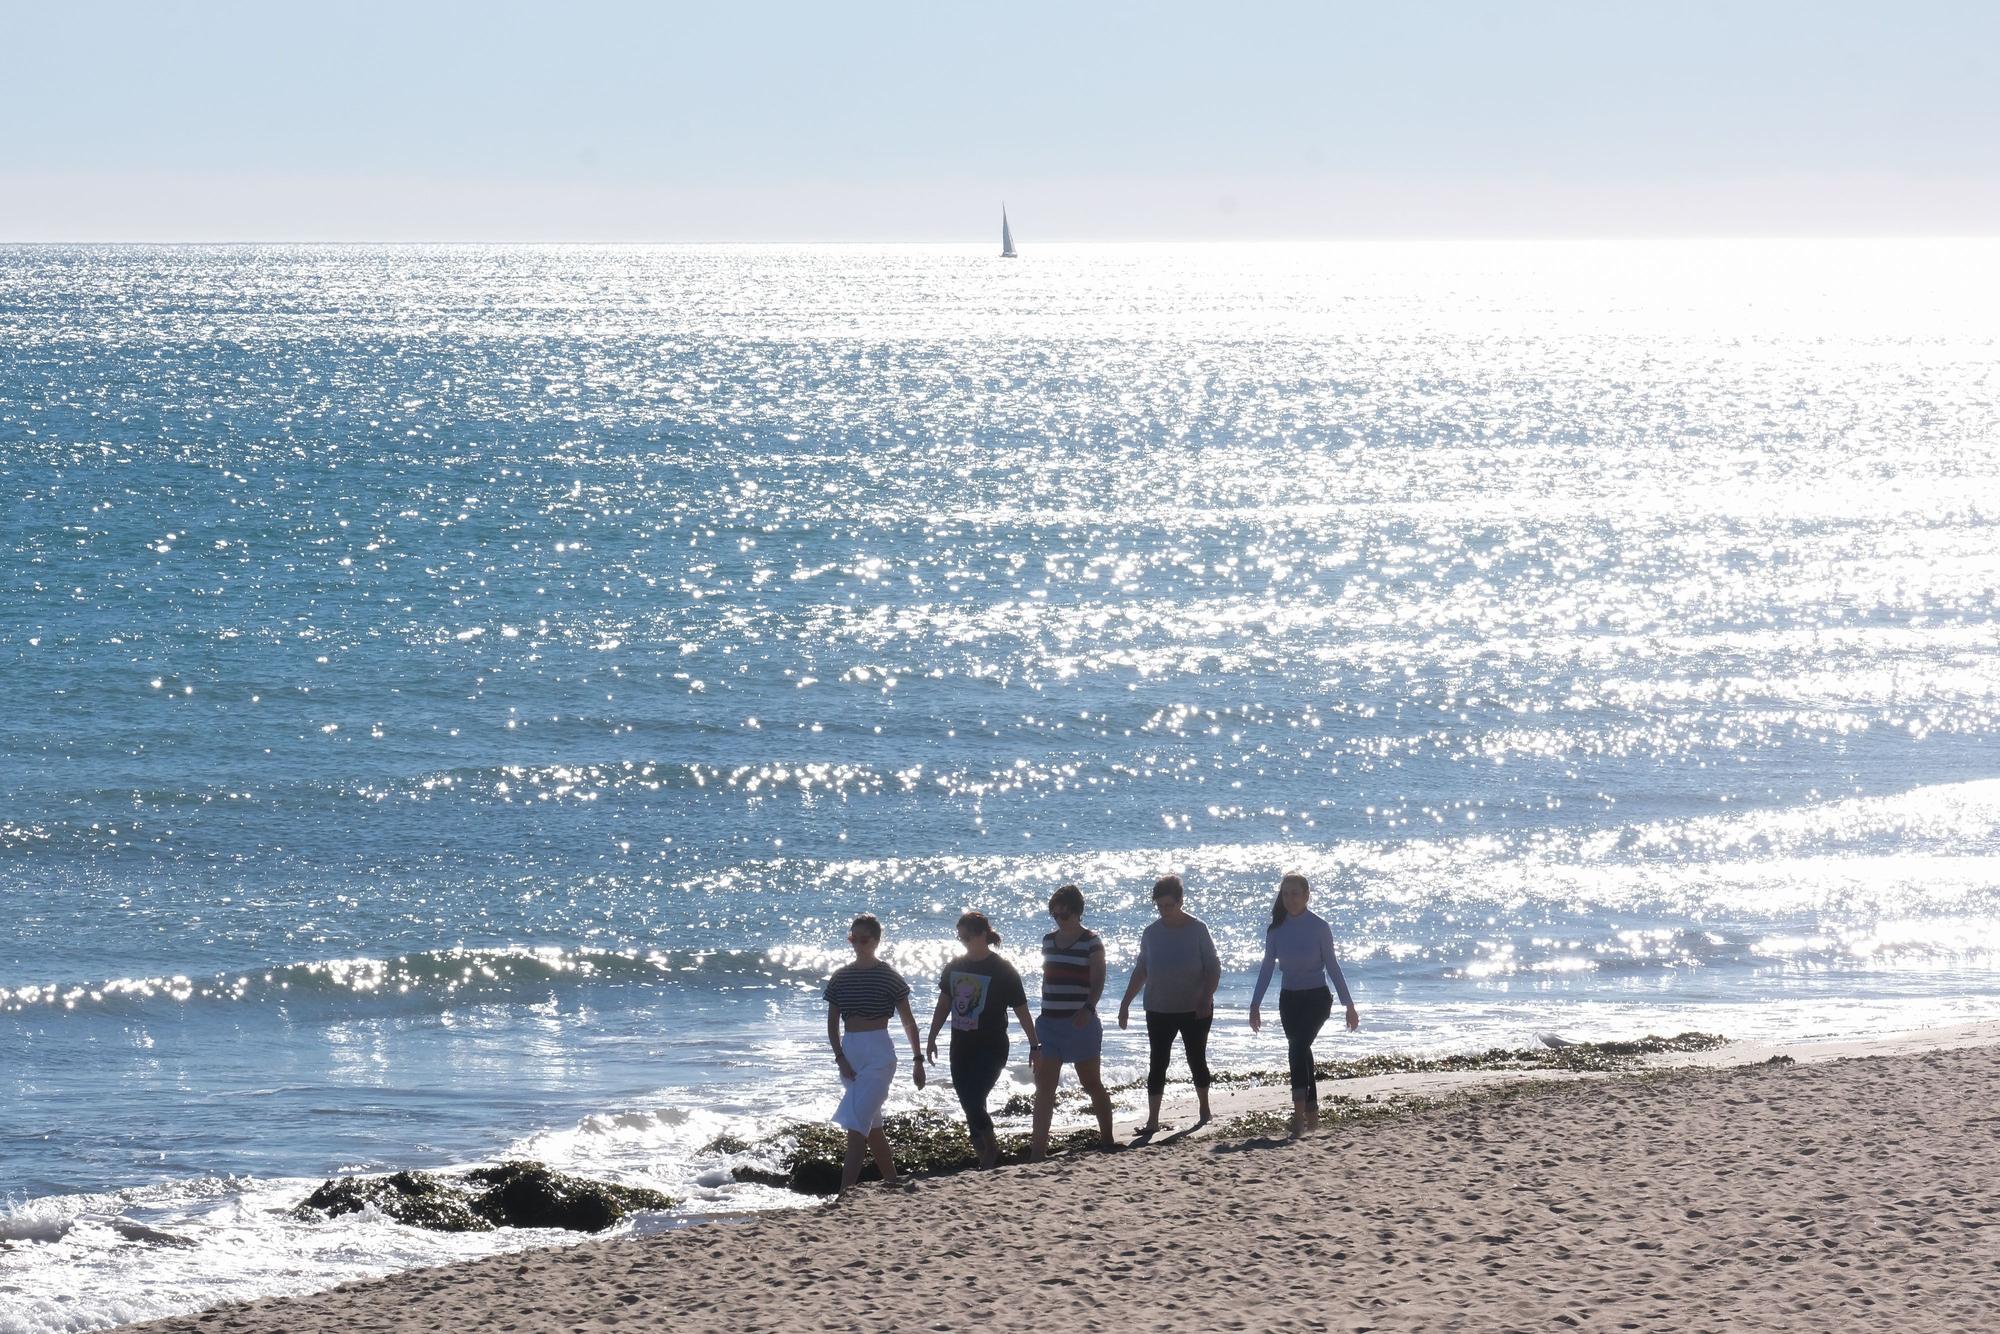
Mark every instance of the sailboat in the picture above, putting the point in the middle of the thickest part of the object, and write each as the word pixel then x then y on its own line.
pixel 1007 250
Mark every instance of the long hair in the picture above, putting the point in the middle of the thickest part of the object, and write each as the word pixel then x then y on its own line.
pixel 978 920
pixel 1278 913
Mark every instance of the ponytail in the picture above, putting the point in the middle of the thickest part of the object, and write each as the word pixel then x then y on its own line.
pixel 977 920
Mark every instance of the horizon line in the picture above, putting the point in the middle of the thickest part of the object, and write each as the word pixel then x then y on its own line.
pixel 1371 238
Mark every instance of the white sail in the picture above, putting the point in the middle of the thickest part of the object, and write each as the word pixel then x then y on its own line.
pixel 1006 236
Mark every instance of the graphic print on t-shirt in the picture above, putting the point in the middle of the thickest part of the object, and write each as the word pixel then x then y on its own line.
pixel 968 998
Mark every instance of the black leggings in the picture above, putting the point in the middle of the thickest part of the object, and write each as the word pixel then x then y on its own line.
pixel 1161 1030
pixel 975 1069
pixel 1303 1014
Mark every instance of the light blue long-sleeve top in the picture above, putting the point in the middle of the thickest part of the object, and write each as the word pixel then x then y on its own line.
pixel 1301 947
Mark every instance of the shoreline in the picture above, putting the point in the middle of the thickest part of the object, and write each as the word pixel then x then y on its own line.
pixel 1759 1130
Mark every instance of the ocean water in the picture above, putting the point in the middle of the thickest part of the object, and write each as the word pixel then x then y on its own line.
pixel 454 697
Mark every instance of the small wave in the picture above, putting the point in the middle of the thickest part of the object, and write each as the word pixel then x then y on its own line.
pixel 431 977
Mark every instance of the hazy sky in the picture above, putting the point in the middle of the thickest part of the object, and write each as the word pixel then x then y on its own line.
pixel 831 120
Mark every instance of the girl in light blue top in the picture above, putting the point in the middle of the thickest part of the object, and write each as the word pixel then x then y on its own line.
pixel 1300 945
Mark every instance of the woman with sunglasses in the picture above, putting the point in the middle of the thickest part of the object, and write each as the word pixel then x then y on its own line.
pixel 861 996
pixel 975 992
pixel 1069 1029
pixel 1299 944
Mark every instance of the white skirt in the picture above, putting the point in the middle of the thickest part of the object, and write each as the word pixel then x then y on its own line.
pixel 872 1057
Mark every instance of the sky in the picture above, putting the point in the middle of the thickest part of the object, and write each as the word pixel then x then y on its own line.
pixel 615 120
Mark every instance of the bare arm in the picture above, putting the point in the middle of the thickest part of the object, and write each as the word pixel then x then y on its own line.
pixel 1132 989
pixel 1027 1022
pixel 910 1030
pixel 1089 1007
pixel 937 1021
pixel 833 1040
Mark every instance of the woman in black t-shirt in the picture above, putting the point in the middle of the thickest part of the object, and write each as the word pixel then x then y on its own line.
pixel 974 992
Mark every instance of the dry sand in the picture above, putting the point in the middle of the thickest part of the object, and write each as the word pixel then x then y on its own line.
pixel 1842 1191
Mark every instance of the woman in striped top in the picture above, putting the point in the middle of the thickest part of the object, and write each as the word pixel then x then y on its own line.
pixel 1069 1030
pixel 862 996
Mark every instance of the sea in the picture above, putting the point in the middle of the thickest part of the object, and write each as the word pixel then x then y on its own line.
pixel 453 698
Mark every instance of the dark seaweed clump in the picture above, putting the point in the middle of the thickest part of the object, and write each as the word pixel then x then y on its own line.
pixel 807 1156
pixel 517 1194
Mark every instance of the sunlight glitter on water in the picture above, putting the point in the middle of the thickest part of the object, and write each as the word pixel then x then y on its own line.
pixel 528 658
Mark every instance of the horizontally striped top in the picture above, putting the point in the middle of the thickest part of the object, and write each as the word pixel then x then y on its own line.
pixel 1066 973
pixel 866 991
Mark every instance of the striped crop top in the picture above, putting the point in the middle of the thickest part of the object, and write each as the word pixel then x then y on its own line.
pixel 866 992
pixel 1066 973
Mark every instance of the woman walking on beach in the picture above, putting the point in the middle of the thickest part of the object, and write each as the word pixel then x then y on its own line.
pixel 1179 972
pixel 975 992
pixel 1300 944
pixel 1069 1029
pixel 862 995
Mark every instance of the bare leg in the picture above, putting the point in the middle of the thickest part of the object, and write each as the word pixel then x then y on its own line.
pixel 988 1149
pixel 1153 1112
pixel 1047 1075
pixel 885 1162
pixel 1201 1095
pixel 1100 1101
pixel 850 1167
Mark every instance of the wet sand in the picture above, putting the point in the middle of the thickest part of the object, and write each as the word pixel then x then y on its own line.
pixel 1832 1191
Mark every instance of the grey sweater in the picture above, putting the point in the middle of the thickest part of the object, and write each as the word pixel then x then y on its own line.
pixel 1302 947
pixel 1180 965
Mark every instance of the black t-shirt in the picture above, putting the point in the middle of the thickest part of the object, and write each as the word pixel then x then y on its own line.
pixel 981 991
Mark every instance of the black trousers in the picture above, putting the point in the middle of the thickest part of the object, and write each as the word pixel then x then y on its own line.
pixel 1303 1014
pixel 975 1069
pixel 1161 1030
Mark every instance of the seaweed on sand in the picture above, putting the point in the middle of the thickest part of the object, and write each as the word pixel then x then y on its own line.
pixel 808 1156
pixel 1581 1057
pixel 1333 1111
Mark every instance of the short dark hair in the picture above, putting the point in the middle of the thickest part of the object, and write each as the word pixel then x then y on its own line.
pixel 867 924
pixel 1069 899
pixel 1168 886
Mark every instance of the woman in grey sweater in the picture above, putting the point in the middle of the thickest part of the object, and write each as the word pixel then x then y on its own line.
pixel 1300 944
pixel 1179 972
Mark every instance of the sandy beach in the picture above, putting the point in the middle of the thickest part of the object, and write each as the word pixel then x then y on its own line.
pixel 1837 1187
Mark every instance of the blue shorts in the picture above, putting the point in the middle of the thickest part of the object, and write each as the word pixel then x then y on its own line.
pixel 1063 1041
